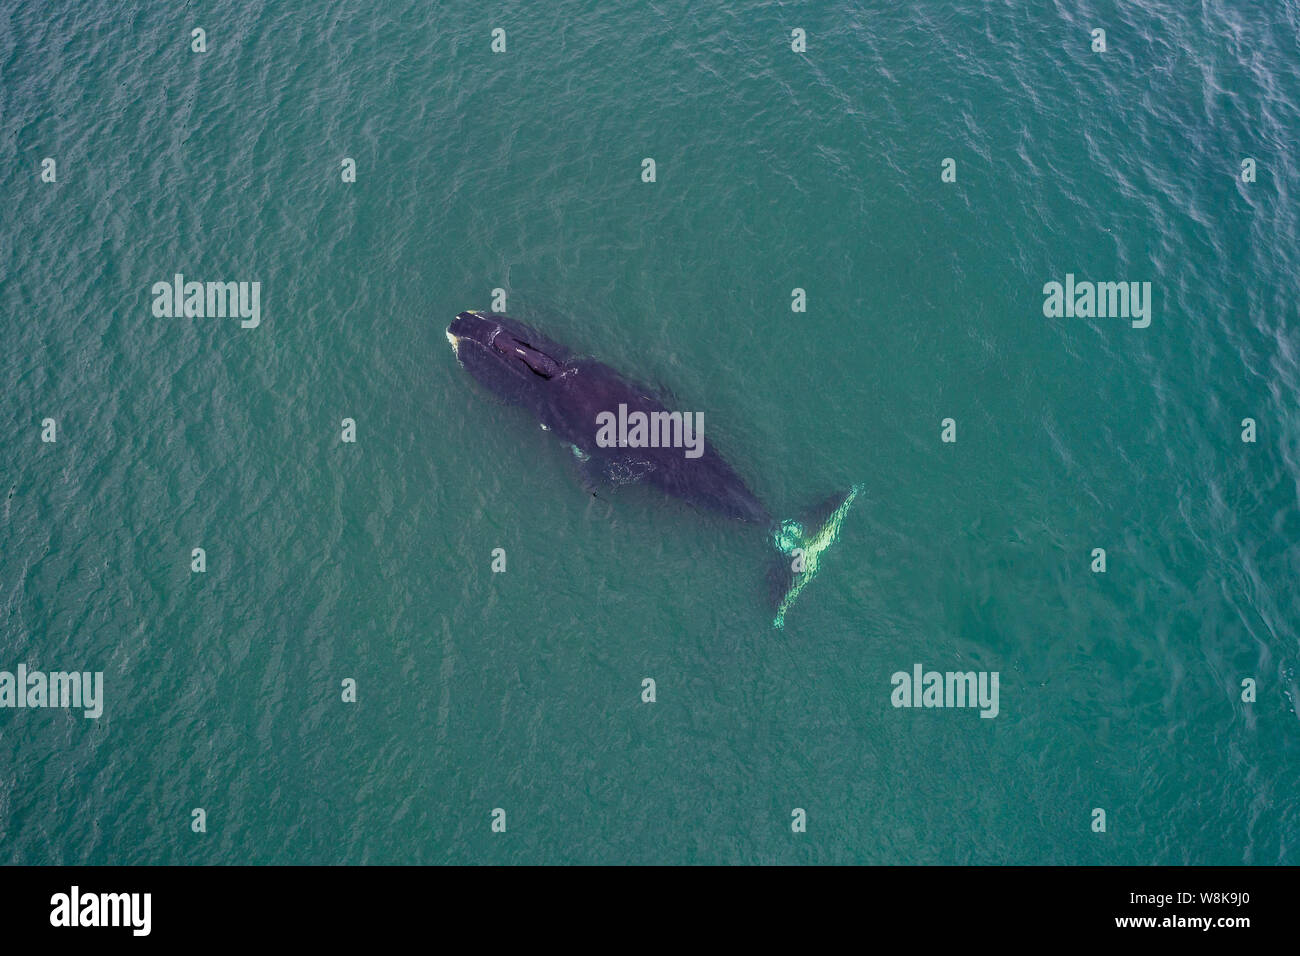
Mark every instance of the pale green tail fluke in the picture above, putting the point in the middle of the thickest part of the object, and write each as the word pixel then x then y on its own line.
pixel 791 538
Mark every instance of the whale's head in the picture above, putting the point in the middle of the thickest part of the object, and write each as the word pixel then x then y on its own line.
pixel 505 355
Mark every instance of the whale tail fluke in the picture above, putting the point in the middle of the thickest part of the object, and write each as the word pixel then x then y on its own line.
pixel 801 545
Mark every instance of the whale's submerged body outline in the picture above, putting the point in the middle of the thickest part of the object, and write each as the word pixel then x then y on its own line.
pixel 567 393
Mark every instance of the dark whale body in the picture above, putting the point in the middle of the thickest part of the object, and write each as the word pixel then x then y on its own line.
pixel 566 394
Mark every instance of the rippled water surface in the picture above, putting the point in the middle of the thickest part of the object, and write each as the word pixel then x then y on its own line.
pixel 775 170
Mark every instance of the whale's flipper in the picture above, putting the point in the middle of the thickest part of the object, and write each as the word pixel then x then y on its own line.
pixel 801 549
pixel 589 470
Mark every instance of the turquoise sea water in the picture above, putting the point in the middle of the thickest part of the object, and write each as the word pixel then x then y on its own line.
pixel 775 170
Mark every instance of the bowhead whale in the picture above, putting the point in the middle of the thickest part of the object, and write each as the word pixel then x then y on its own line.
pixel 574 397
